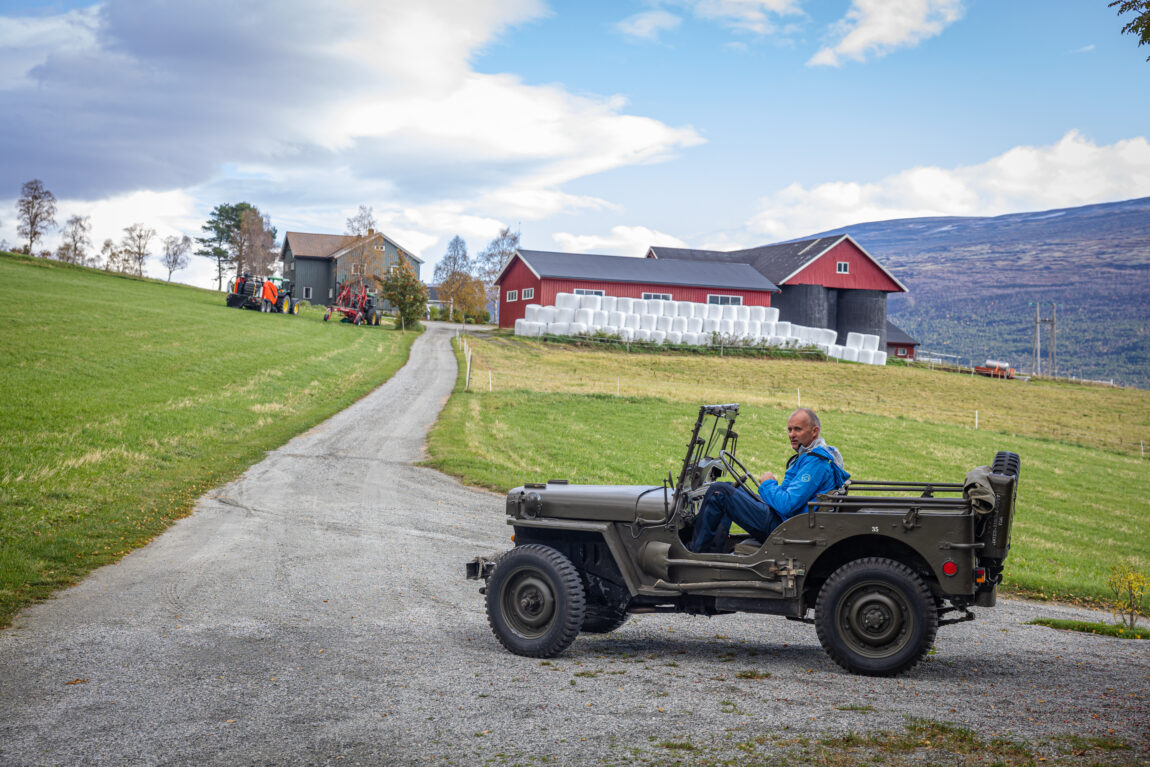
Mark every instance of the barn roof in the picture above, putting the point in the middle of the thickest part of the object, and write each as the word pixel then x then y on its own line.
pixel 896 335
pixel 778 263
pixel 588 266
pixel 316 245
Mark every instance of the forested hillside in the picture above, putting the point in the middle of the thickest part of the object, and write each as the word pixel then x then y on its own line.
pixel 973 281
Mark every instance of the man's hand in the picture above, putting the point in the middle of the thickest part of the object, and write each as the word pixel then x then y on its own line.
pixel 767 476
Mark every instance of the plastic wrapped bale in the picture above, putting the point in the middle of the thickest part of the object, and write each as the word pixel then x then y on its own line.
pixel 578 328
pixel 547 314
pixel 663 323
pixel 599 318
pixel 559 328
pixel 767 329
pixel 691 339
pixel 565 315
pixel 866 356
pixel 695 325
pixel 675 337
pixel 714 312
pixel 623 304
pixel 531 312
pixel 726 328
pixel 850 353
pixel 639 306
pixel 537 329
pixel 647 322
pixel 520 329
pixel 879 358
pixel 729 312
pixel 776 341
pixel 743 313
pixel 566 301
pixel 609 303
pixel 772 315
pixel 626 334
pixel 836 351
pixel 799 333
pixel 757 314
pixel 855 340
pixel 584 316
pixel 711 325
pixel 679 324
pixel 870 342
pixel 754 330
pixel 631 321
pixel 783 329
pixel 658 336
pixel 591 302
pixel 699 310
pixel 643 334
pixel 739 329
pixel 685 309
pixel 614 319
pixel 655 306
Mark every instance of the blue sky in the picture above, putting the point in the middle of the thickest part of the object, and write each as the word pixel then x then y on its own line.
pixel 590 126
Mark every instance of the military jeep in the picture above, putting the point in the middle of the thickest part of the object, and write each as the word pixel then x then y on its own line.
pixel 880 564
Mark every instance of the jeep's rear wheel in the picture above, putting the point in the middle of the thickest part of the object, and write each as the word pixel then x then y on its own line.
pixel 876 617
pixel 535 601
pixel 603 619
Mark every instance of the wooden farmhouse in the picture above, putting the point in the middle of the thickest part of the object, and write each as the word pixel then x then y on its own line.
pixel 316 263
pixel 898 343
pixel 537 276
pixel 826 282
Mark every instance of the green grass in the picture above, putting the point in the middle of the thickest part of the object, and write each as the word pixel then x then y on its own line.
pixel 1088 627
pixel 122 400
pixel 554 421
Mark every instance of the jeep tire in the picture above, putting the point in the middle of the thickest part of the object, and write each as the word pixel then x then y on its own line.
pixel 876 616
pixel 535 601
pixel 603 618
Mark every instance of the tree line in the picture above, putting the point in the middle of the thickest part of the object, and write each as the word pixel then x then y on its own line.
pixel 466 285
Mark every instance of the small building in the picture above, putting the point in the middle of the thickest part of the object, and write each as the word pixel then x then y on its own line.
pixel 316 263
pixel 898 343
pixel 537 276
pixel 825 282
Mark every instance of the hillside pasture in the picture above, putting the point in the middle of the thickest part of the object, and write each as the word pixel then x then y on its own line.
pixel 123 399
pixel 552 412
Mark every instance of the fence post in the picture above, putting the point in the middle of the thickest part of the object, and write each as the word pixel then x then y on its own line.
pixel 489 381
pixel 799 399
pixel 616 387
pixel 976 420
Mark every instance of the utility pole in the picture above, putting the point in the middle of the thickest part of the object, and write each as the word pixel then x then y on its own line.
pixel 1039 321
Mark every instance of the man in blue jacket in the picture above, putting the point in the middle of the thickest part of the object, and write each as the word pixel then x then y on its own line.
pixel 815 468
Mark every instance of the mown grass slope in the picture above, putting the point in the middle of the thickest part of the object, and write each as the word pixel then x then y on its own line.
pixel 122 399
pixel 552 412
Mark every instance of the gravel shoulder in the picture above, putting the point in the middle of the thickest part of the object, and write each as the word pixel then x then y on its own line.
pixel 314 611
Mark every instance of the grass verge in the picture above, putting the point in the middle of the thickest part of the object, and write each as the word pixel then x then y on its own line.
pixel 122 400
pixel 558 423
pixel 1088 627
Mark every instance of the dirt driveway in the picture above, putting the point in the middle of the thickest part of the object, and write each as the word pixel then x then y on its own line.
pixel 314 612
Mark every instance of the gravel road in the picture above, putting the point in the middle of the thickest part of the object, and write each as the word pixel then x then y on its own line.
pixel 314 612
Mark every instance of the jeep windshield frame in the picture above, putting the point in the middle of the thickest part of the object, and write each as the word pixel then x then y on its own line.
pixel 717 423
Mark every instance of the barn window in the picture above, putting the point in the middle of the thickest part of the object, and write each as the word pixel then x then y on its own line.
pixel 663 296
pixel 512 295
pixel 843 267
pixel 307 292
pixel 587 292
pixel 714 298
pixel 900 351
pixel 528 294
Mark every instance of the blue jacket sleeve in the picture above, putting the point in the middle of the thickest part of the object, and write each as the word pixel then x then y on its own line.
pixel 799 485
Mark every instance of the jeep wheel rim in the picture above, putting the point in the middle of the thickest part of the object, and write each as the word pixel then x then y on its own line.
pixel 873 619
pixel 529 603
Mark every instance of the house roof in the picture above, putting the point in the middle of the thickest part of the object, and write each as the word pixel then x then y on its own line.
pixel 306 245
pixel 589 266
pixel 896 335
pixel 778 263
pixel 316 245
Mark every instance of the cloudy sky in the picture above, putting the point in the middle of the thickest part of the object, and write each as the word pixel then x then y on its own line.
pixel 588 125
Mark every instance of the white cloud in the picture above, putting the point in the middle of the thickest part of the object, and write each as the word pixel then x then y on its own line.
pixel 1084 49
pixel 648 25
pixel 622 241
pixel 877 27
pixel 1074 171
pixel 28 42
pixel 755 16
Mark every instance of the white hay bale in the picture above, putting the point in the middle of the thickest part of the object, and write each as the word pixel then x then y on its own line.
pixel 626 334
pixel 584 316
pixel 531 312
pixel 850 354
pixel 726 328
pixel 772 315
pixel 870 342
pixel 783 329
pixel 699 310
pixel 743 313
pixel 757 313
pixel 663 323
pixel 711 325
pixel 614 319
pixel 519 327
pixel 623 304
pixel 684 309
pixel 631 321
pixel 565 315
pixel 643 334
pixel 879 358
pixel 695 325
pixel 658 336
pixel 547 314
pixel 639 306
pixel 855 340
pixel 559 328
pixel 767 328
pixel 608 304
pixel 754 330
pixel 679 324
pixel 714 312
pixel 599 318
pixel 674 338
pixel 647 321
pixel 739 328
pixel 566 301
pixel 578 328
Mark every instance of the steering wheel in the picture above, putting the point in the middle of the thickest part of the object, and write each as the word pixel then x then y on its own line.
pixel 741 477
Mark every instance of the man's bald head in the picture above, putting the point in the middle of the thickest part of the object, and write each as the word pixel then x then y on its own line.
pixel 803 428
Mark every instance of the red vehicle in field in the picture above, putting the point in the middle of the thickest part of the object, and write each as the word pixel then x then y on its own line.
pixel 356 304
pixel 995 369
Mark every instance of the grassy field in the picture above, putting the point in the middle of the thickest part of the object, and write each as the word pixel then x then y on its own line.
pixel 122 400
pixel 546 411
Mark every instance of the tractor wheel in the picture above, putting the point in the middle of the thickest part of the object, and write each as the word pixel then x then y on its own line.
pixel 358 318
pixel 327 314
pixel 376 318
pixel 535 601
pixel 295 307
pixel 876 616
pixel 1006 463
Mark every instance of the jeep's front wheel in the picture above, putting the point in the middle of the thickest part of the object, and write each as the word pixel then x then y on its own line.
pixel 876 616
pixel 535 601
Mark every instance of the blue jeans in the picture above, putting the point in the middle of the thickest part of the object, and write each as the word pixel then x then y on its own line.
pixel 724 503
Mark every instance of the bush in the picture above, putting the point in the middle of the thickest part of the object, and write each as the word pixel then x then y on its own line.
pixel 1129 588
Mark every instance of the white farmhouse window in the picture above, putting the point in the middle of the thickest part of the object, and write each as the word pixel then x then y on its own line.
pixel 358 270
pixel 528 294
pixel 713 298
pixel 307 292
pixel 900 351
pixel 663 296
pixel 512 295
pixel 843 267
pixel 587 292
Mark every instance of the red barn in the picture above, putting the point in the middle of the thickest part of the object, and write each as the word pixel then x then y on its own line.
pixel 537 276
pixel 825 282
